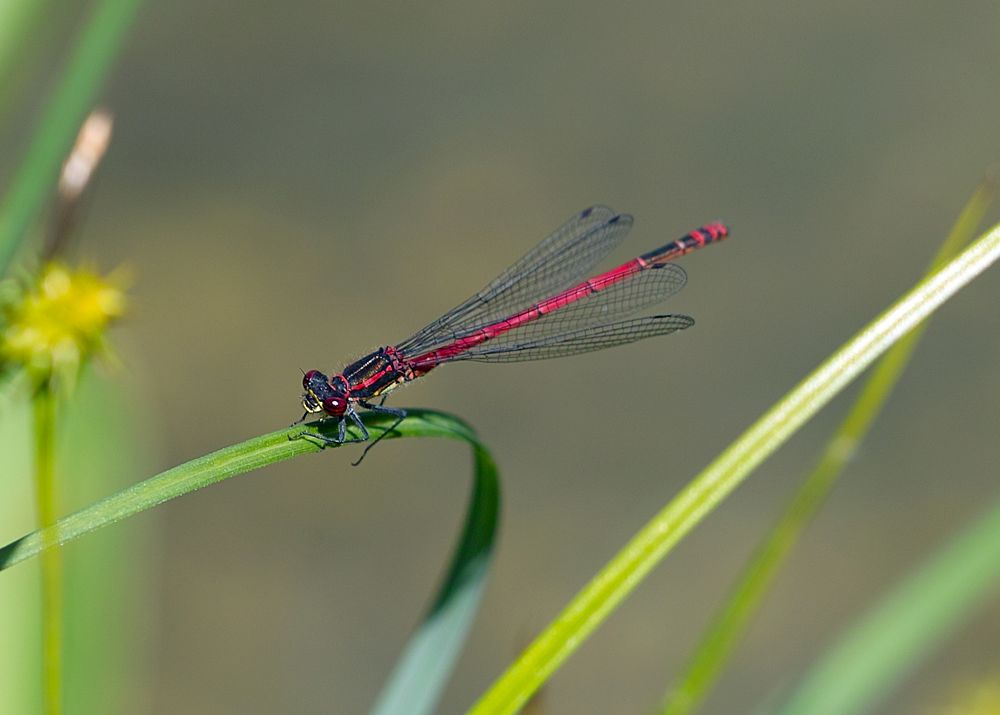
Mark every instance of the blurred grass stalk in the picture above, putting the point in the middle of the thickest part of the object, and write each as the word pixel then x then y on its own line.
pixel 19 21
pixel 732 620
pixel 885 645
pixel 31 187
pixel 656 539
pixel 47 505
pixel 104 578
pixel 88 64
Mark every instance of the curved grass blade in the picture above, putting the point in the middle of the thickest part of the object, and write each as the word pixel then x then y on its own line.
pixel 427 661
pixel 728 626
pixel 422 671
pixel 215 467
pixel 628 568
pixel 905 627
pixel 88 64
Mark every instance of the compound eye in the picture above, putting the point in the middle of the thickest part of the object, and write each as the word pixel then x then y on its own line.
pixel 335 406
pixel 308 378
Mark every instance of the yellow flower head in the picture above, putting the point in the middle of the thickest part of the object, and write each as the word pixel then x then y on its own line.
pixel 56 323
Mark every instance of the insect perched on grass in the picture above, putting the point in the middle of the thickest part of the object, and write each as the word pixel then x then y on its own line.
pixel 538 308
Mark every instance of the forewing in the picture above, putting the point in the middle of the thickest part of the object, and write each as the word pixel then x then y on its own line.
pixel 562 259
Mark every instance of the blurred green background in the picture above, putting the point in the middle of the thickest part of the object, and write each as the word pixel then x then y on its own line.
pixel 295 184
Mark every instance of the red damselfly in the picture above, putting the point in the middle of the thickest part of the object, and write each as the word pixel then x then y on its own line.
pixel 538 308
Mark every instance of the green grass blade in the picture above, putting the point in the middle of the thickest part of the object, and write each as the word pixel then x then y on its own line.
pixel 628 568
pixel 419 677
pixel 906 626
pixel 728 626
pixel 72 99
pixel 20 22
pixel 215 467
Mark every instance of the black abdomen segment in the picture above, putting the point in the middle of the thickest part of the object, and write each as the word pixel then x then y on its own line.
pixel 709 233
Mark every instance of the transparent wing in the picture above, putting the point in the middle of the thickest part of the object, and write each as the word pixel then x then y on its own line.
pixel 579 341
pixel 561 260
pixel 608 303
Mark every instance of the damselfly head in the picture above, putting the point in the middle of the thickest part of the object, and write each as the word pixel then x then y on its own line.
pixel 313 379
pixel 316 388
pixel 321 396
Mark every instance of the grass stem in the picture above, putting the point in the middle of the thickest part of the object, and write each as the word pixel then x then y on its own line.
pixel 47 499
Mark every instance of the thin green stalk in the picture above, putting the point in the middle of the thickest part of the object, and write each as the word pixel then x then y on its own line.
pixel 728 626
pixel 36 177
pixel 52 568
pixel 631 565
